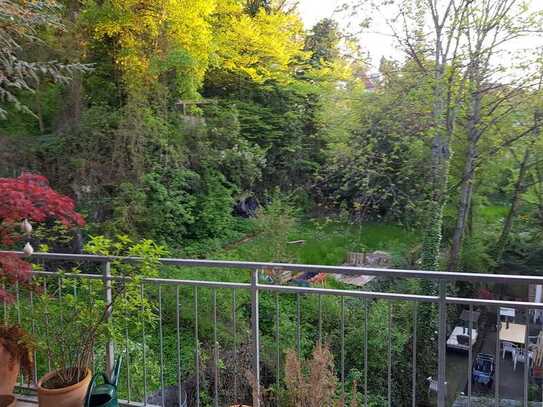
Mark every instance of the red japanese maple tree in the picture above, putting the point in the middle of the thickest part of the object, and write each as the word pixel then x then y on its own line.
pixel 30 197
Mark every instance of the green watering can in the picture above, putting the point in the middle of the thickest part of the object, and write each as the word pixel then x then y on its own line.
pixel 104 395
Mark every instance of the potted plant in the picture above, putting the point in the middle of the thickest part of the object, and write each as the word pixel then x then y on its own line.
pixel 78 324
pixel 25 199
pixel 68 340
pixel 7 401
pixel 16 354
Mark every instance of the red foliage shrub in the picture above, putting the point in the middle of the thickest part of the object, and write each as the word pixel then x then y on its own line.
pixel 28 196
pixel 486 294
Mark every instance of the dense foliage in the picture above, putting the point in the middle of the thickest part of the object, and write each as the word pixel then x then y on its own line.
pixel 177 120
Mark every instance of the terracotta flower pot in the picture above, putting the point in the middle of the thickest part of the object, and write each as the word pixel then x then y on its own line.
pixel 71 396
pixel 7 400
pixel 9 371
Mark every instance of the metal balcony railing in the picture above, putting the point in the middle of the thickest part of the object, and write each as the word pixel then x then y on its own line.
pixel 247 292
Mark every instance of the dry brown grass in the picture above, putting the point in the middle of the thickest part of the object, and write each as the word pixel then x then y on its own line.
pixel 312 385
pixel 309 383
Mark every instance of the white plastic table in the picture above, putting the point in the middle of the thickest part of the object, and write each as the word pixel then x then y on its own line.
pixel 515 333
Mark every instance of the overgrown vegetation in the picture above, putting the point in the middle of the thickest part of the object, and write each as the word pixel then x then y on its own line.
pixel 225 129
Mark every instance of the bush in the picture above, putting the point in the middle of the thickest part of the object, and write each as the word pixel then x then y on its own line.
pixel 174 207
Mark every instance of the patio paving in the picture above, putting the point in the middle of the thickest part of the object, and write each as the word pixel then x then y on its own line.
pixel 511 381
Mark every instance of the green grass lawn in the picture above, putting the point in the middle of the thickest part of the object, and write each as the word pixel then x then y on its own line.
pixel 329 242
pixel 325 243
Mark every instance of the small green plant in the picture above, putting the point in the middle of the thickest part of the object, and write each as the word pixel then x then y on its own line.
pixel 274 223
pixel 73 318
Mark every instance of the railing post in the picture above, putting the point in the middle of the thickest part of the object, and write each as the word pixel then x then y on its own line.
pixel 526 358
pixel 110 352
pixel 256 337
pixel 441 371
pixel 498 363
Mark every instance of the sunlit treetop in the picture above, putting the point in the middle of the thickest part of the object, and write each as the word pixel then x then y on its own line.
pixel 154 37
pixel 262 45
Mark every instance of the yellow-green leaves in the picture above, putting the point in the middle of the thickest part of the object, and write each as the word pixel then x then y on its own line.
pixel 150 36
pixel 261 47
pixel 155 40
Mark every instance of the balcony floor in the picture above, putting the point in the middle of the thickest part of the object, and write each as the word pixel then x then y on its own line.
pixel 26 401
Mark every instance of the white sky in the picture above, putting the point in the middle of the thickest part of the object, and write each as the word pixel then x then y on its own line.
pixel 376 45
pixel 377 41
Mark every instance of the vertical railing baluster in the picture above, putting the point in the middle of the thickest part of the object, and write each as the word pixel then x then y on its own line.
pixel 196 346
pixel 255 327
pixel 497 381
pixel 91 304
pixel 74 290
pixel 470 352
pixel 298 326
pixel 366 315
pixel 65 351
pixel 18 302
pixel 18 310
pixel 33 332
pixel 127 350
pixel 5 306
pixel 161 344
pixel 277 348
pixel 234 329
pixel 441 376
pixel 389 361
pixel 47 344
pixel 178 344
pixel 215 352
pixel 143 344
pixel 414 358
pixel 110 353
pixel 343 348
pixel 526 357
pixel 320 319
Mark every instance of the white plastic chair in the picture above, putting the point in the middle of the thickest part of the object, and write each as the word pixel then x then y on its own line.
pixel 509 347
pixel 520 356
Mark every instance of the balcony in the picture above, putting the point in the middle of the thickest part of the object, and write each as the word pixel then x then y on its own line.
pixel 213 340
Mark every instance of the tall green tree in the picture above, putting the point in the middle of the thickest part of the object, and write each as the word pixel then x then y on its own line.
pixel 20 29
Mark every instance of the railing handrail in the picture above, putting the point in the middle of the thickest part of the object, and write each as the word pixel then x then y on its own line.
pixel 307 290
pixel 347 270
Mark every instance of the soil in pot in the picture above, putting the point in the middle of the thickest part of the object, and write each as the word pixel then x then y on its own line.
pixel 7 400
pixel 9 371
pixel 72 395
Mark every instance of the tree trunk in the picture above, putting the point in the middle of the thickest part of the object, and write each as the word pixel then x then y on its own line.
pixel 440 165
pixel 464 208
pixel 515 203
pixel 467 179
